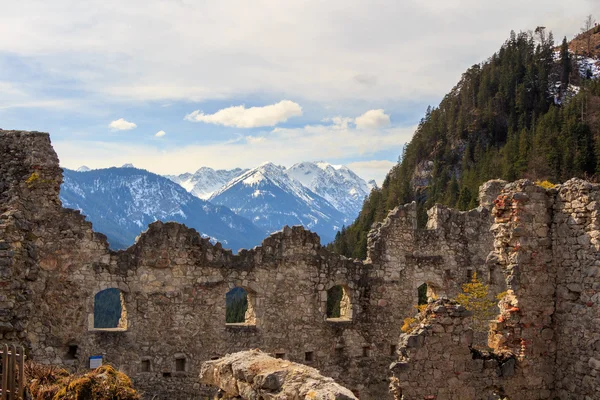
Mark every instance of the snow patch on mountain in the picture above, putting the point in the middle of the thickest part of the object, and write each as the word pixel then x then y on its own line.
pixel 271 198
pixel 205 181
pixel 337 184
pixel 121 202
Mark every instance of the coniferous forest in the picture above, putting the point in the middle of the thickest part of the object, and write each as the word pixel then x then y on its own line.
pixel 529 111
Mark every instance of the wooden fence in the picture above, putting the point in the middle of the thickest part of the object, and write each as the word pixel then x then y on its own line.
pixel 12 363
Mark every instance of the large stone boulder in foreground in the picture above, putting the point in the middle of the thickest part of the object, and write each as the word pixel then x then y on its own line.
pixel 255 375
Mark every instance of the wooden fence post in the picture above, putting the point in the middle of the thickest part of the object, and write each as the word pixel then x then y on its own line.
pixel 12 376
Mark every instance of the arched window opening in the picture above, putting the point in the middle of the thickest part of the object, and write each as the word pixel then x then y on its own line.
pixel 239 307
pixel 109 310
pixel 338 303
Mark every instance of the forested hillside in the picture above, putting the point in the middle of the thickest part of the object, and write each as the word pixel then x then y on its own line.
pixel 530 111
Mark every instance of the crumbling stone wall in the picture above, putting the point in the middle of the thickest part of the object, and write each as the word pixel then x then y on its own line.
pixel 576 254
pixel 436 360
pixel 544 339
pixel 538 244
pixel 444 254
pixel 174 282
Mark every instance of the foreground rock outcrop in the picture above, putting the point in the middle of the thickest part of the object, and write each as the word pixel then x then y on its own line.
pixel 256 375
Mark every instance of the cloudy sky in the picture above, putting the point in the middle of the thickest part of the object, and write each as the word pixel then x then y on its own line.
pixel 174 85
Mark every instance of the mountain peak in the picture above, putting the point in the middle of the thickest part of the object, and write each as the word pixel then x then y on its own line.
pixel 128 165
pixel 83 168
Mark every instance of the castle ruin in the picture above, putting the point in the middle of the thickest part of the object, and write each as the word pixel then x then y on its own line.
pixel 538 246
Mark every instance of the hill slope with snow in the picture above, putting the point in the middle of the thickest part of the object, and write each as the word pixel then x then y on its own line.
pixel 121 202
pixel 205 181
pixel 271 198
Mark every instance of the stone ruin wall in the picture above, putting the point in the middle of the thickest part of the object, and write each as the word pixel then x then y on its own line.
pixel 545 341
pixel 174 283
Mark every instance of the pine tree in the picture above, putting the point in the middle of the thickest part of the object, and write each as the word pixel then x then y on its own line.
pixel 565 61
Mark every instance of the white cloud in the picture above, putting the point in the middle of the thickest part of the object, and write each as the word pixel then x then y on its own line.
pixel 372 169
pixel 337 142
pixel 160 133
pixel 338 50
pixel 253 117
pixel 372 164
pixel 373 119
pixel 121 125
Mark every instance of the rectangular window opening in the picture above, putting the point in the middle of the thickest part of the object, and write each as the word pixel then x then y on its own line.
pixel 279 355
pixel 366 351
pixel 309 356
pixel 72 352
pixel 145 365
pixel 393 349
pixel 469 275
pixel 166 374
pixel 180 364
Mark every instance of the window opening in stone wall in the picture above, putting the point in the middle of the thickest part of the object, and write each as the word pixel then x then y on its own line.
pixel 491 279
pixel 422 294
pixel 109 310
pixel 393 350
pixel 239 307
pixel 279 355
pixel 339 351
pixel 72 352
pixel 180 364
pixel 145 365
pixel 338 303
pixel 166 374
pixel 469 275
pixel 309 356
pixel 366 351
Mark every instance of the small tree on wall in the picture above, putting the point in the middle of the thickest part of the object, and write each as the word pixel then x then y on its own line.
pixel 475 297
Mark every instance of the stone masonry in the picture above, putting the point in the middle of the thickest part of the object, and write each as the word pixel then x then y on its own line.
pixel 545 340
pixel 538 246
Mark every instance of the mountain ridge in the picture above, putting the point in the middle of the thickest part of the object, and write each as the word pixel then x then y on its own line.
pixel 121 202
pixel 271 199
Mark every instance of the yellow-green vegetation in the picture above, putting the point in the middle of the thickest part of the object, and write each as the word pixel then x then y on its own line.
pixel 546 184
pixel 411 323
pixel 475 297
pixel 33 178
pixel 52 383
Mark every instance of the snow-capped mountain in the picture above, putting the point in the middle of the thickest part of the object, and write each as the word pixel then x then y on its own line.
pixel 121 202
pixel 204 182
pixel 271 198
pixel 337 184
